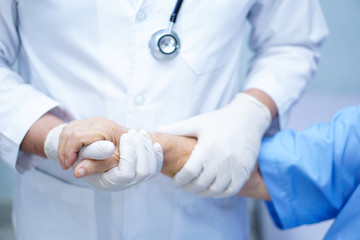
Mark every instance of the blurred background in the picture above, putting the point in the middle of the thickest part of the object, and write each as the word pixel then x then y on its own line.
pixel 336 85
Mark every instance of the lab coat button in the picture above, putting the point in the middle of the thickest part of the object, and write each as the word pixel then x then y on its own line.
pixel 139 100
pixel 141 16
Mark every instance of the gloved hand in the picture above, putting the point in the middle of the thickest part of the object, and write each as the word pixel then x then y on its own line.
pixel 140 160
pixel 228 145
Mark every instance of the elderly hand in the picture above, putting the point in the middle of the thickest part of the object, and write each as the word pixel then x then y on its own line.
pixel 79 133
pixel 140 160
pixel 228 144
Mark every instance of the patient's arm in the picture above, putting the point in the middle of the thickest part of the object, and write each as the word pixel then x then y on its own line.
pixel 177 150
pixel 255 187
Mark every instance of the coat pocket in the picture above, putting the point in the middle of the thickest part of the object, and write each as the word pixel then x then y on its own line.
pixel 48 208
pixel 211 32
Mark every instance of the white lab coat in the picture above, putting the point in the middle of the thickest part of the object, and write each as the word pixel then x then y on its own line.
pixel 88 58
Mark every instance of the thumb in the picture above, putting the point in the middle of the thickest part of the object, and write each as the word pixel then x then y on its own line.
pixel 98 150
pixel 188 127
pixel 192 168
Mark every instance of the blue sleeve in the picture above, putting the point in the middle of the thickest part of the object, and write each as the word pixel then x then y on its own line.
pixel 311 174
pixel 347 222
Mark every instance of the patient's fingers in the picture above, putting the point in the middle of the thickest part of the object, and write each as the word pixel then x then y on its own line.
pixel 90 166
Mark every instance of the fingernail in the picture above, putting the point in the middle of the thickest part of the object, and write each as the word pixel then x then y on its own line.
pixel 62 165
pixel 66 163
pixel 81 172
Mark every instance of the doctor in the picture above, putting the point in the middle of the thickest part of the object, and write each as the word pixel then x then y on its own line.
pixel 84 59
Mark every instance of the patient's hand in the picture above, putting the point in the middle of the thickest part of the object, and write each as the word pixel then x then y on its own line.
pixel 176 149
pixel 135 160
pixel 79 133
pixel 255 187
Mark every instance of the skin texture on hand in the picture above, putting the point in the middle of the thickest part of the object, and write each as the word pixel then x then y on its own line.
pixel 176 149
pixel 79 133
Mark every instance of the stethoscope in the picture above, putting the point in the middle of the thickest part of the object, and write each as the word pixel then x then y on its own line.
pixel 165 43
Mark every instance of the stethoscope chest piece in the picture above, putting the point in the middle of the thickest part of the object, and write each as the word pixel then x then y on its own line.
pixel 164 44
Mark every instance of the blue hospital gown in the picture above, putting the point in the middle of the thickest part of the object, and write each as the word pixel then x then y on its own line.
pixel 314 175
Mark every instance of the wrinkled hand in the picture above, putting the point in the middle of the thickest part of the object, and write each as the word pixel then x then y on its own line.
pixel 79 133
pixel 140 160
pixel 228 144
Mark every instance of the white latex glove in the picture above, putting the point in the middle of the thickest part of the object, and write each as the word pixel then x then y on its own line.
pixel 228 145
pixel 140 160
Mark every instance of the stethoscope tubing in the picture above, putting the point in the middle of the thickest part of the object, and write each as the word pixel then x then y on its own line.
pixel 176 11
pixel 156 44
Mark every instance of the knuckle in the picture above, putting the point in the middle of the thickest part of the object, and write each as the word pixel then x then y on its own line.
pixel 192 173
pixel 76 135
pixel 128 175
pixel 65 132
pixel 89 169
pixel 92 167
pixel 101 118
pixel 230 191
pixel 214 190
pixel 61 155
pixel 142 174
pixel 112 163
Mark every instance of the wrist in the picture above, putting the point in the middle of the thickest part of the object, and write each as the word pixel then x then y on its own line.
pixel 265 99
pixel 52 142
pixel 255 187
pixel 34 139
pixel 176 151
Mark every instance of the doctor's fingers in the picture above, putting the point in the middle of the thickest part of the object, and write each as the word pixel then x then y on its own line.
pixel 192 168
pixel 222 182
pixel 188 127
pixel 239 179
pixel 204 181
pixel 126 170
pixel 145 156
pixel 98 150
pixel 154 153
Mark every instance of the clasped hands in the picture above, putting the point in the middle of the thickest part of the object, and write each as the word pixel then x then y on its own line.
pixel 80 144
pixel 227 144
